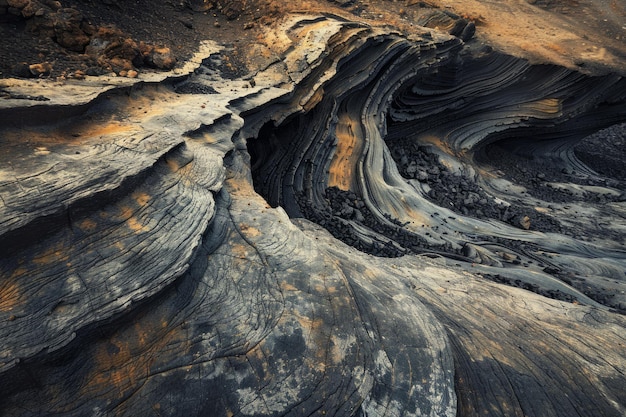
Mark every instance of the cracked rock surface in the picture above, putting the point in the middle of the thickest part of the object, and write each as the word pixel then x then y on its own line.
pixel 364 226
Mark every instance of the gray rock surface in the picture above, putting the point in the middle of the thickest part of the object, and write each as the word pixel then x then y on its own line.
pixel 156 259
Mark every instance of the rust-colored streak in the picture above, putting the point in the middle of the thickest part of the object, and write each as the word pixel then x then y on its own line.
pixel 135 224
pixel 618 7
pixel 286 286
pixel 115 367
pixel 548 106
pixel 10 295
pixel 113 128
pixel 126 212
pixel 173 165
pixel 72 135
pixel 314 100
pixel 122 362
pixel 88 225
pixel 141 198
pixel 249 231
pixel 349 147
pixel 240 251
pixel 52 255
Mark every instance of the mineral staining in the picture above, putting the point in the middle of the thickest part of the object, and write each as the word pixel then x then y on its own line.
pixel 190 269
pixel 396 155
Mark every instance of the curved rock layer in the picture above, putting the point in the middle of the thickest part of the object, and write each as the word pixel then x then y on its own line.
pixel 157 257
pixel 399 154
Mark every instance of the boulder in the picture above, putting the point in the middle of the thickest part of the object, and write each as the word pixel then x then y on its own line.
pixel 160 57
pixel 40 69
pixel 68 30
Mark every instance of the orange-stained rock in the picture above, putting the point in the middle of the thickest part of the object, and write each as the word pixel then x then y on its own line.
pixel 161 58
pixel 334 233
pixel 43 68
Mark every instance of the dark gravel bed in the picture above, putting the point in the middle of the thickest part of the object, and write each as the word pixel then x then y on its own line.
pixel 462 194
pixel 605 153
pixel 347 205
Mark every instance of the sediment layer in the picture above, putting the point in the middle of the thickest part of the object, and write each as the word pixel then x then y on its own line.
pixel 348 231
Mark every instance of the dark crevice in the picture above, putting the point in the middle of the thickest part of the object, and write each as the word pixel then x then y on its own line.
pixel 455 131
pixel 337 210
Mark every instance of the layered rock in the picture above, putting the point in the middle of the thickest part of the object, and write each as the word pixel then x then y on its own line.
pixel 162 252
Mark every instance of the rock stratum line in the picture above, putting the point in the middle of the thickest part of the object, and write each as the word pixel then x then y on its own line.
pixel 372 225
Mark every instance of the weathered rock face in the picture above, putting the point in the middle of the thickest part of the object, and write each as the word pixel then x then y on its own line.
pixel 403 133
pixel 158 258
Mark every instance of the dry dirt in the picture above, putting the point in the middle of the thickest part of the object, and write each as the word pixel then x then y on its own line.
pixel 584 34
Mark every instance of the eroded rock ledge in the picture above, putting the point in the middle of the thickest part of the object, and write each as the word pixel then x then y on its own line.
pixel 159 258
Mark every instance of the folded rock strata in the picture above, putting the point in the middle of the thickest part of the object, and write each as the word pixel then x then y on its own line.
pixel 278 247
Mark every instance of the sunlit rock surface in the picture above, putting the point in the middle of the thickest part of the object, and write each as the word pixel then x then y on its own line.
pixel 348 231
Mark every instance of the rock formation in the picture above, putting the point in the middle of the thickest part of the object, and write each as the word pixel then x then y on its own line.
pixel 347 231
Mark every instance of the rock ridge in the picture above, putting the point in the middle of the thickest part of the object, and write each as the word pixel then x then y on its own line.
pixel 269 245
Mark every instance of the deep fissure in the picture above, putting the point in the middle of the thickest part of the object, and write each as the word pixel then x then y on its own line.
pixel 290 168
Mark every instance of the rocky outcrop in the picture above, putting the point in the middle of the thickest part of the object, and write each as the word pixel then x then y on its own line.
pixel 274 244
pixel 446 106
pixel 107 47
